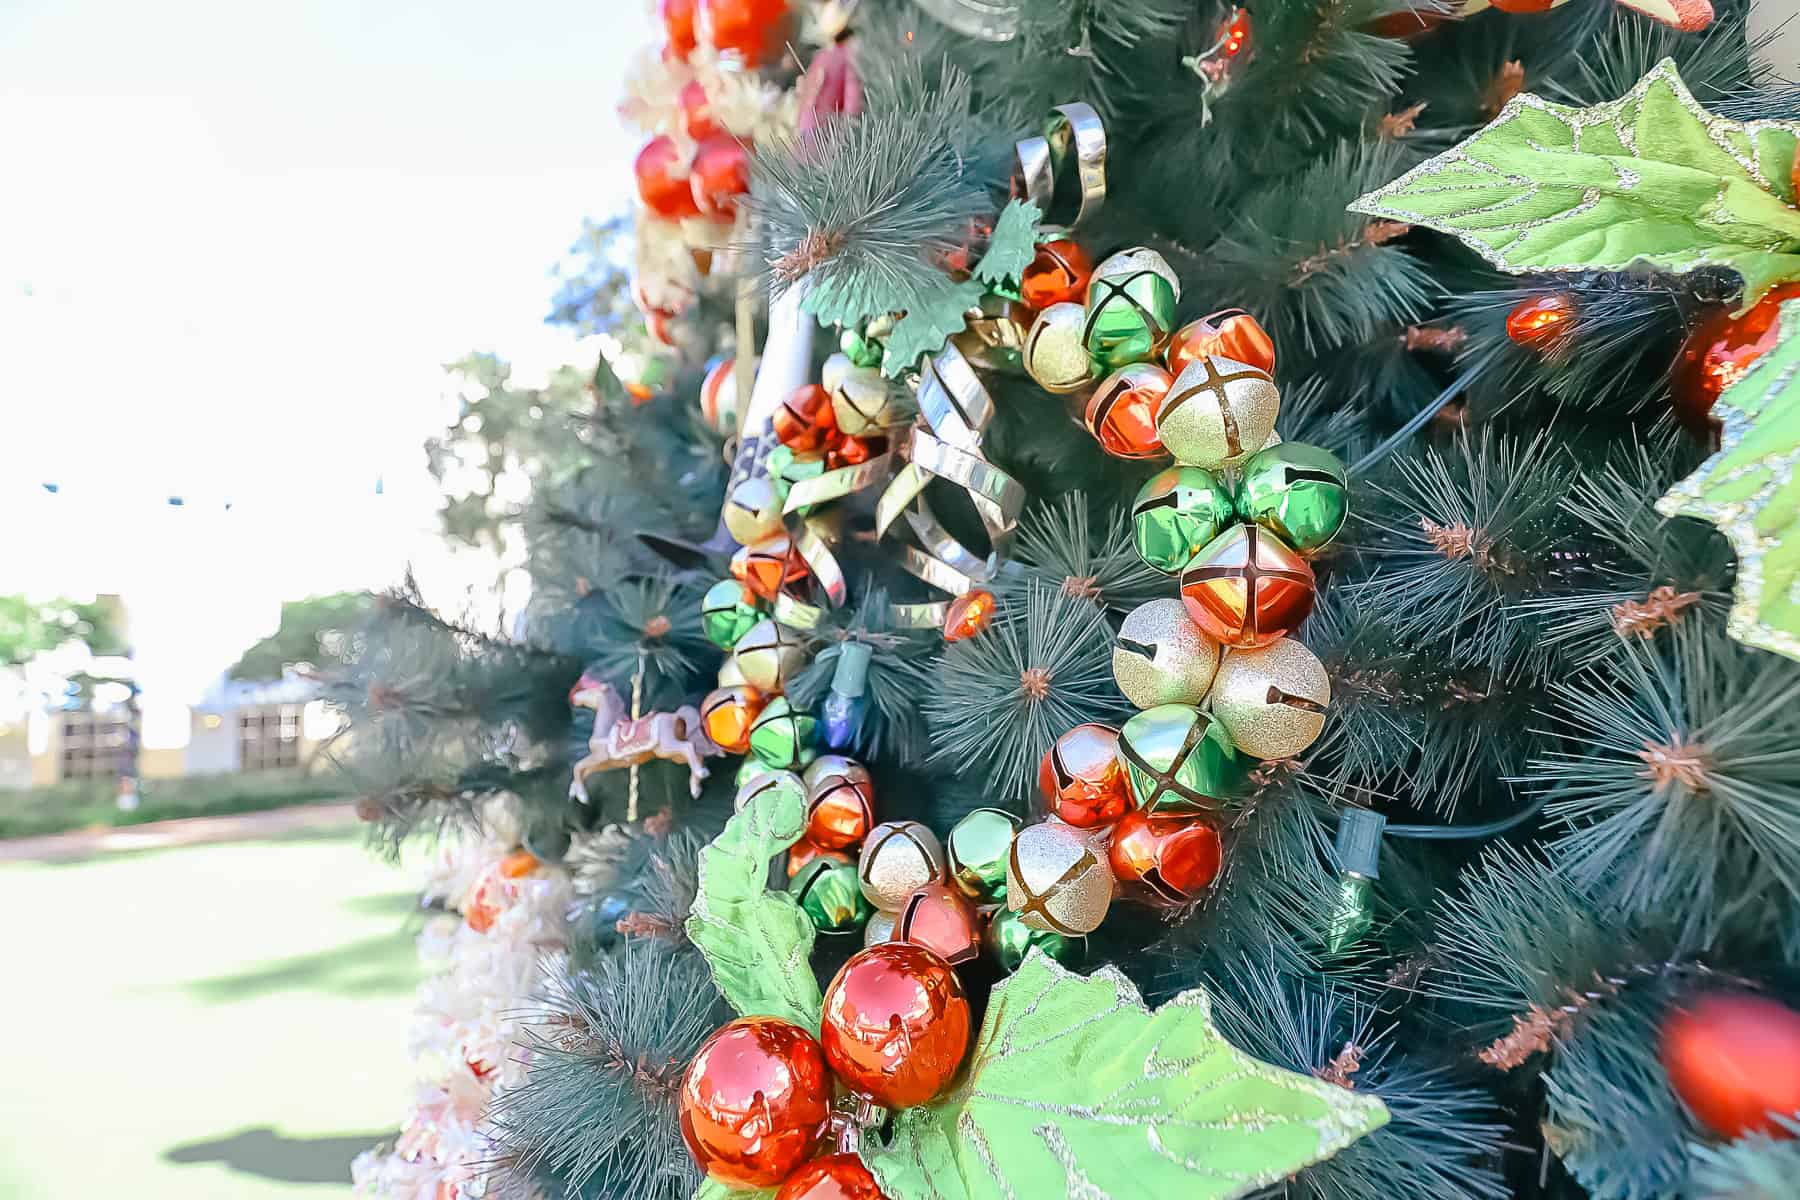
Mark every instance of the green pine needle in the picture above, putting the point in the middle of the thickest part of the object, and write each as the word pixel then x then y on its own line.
pixel 1085 549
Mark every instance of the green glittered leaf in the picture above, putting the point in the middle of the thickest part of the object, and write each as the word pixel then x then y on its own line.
pixel 1012 247
pixel 928 325
pixel 756 941
pixel 1748 489
pixel 712 1189
pixel 1076 1089
pixel 1651 178
pixel 840 300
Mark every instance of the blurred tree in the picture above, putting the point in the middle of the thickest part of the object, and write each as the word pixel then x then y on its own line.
pixel 312 632
pixel 28 627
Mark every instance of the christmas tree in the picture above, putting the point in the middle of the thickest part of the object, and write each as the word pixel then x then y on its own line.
pixel 1124 617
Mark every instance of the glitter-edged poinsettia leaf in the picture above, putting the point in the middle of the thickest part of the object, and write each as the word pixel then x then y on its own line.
pixel 756 941
pixel 1076 1089
pixel 1749 490
pixel 1649 179
pixel 928 325
pixel 1013 245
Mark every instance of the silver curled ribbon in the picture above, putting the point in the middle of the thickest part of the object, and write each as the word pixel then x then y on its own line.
pixel 812 535
pixel 954 410
pixel 1074 137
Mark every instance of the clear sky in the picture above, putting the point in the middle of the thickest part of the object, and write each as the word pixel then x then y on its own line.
pixel 237 241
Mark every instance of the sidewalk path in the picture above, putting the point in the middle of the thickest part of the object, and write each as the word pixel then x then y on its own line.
pixel 190 831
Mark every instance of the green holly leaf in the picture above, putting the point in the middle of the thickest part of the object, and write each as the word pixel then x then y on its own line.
pixel 928 325
pixel 1075 1088
pixel 1012 247
pixel 1749 491
pixel 712 1189
pixel 1651 178
pixel 839 299
pixel 756 941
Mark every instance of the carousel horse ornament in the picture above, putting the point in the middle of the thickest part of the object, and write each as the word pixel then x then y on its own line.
pixel 620 740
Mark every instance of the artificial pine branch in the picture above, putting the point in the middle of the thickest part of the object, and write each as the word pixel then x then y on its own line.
pixel 1083 549
pixel 893 726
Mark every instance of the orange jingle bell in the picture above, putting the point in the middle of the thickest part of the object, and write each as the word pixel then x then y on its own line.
pixel 896 1024
pixel 941 919
pixel 1057 275
pixel 727 713
pixel 1172 858
pixel 1229 333
pixel 768 566
pixel 1080 779
pixel 1121 414
pixel 805 851
pixel 805 422
pixel 1247 588
pixel 754 1102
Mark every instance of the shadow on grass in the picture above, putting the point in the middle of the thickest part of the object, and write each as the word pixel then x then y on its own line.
pixel 383 904
pixel 270 1155
pixel 366 967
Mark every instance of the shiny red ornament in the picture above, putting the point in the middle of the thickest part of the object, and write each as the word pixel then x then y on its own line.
pixel 662 179
pixel 896 1024
pixel 1718 352
pixel 754 1102
pixel 678 24
pixel 1247 588
pixel 833 1177
pixel 1121 414
pixel 1541 321
pixel 1734 1059
pixel 748 30
pixel 1173 859
pixel 1230 333
pixel 805 422
pixel 942 920
pixel 696 112
pixel 1058 273
pixel 805 850
pixel 1080 778
pixel 969 614
pixel 768 566
pixel 720 174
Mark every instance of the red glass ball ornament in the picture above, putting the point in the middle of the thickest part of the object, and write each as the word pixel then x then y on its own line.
pixel 1080 779
pixel 749 30
pixel 1121 414
pixel 833 1177
pixel 1541 321
pixel 754 1102
pixel 1229 333
pixel 1173 859
pixel 1718 352
pixel 805 422
pixel 1058 273
pixel 969 614
pixel 942 920
pixel 662 180
pixel 1247 588
pixel 678 24
pixel 696 112
pixel 720 174
pixel 1734 1059
pixel 805 851
pixel 896 1024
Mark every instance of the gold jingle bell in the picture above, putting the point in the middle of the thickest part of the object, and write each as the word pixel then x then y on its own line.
pixel 1218 412
pixel 1161 657
pixel 1272 701
pixel 1057 879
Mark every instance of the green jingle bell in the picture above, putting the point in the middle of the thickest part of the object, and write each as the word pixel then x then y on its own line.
pixel 786 469
pixel 1297 492
pixel 1178 759
pixel 1008 940
pixel 727 613
pixel 861 349
pixel 830 897
pixel 782 736
pixel 1176 513
pixel 976 851
pixel 1131 301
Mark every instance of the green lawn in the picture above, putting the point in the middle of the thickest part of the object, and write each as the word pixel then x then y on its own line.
pixel 84 803
pixel 220 1021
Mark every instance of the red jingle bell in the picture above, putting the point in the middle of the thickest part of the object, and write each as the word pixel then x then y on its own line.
pixel 942 920
pixel 1057 274
pixel 696 112
pixel 754 1102
pixel 1172 858
pixel 1718 352
pixel 748 30
pixel 662 180
pixel 678 24
pixel 853 451
pixel 1247 588
pixel 1080 779
pixel 719 175
pixel 833 1177
pixel 896 1024
pixel 1121 414
pixel 840 812
pixel 1734 1059
pixel 805 422
pixel 1229 333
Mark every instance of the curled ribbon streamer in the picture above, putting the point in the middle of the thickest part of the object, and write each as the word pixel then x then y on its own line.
pixel 1073 130
pixel 812 537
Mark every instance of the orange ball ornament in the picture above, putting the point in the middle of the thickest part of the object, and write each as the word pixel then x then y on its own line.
pixel 1057 275
pixel 678 23
pixel 1718 352
pixel 754 1102
pixel 1121 414
pixel 805 422
pixel 719 174
pixel 748 30
pixel 1080 778
pixel 1541 321
pixel 833 1177
pixel 1247 588
pixel 1229 333
pixel 662 180
pixel 1172 859
pixel 1734 1059
pixel 896 1024
pixel 968 615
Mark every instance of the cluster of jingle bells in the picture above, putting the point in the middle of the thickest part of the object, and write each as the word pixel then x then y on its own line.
pixel 1219 681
